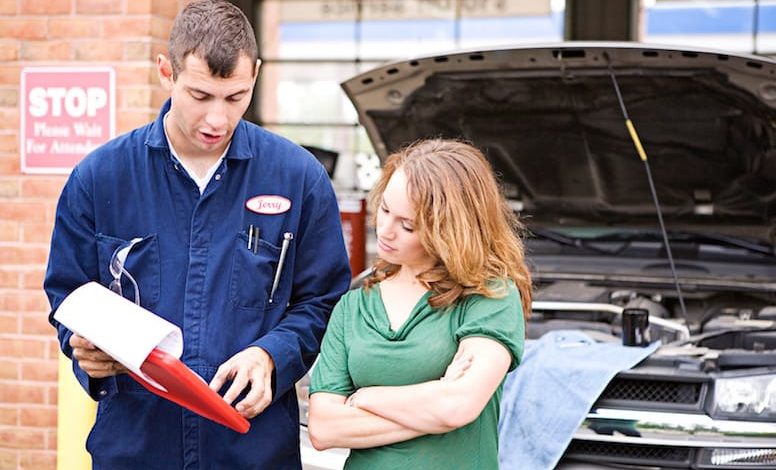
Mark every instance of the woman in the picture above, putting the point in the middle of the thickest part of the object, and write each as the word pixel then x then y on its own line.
pixel 411 365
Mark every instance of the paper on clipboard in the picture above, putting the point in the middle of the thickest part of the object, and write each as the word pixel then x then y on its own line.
pixel 123 330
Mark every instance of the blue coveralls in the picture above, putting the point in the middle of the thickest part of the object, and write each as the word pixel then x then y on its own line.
pixel 194 268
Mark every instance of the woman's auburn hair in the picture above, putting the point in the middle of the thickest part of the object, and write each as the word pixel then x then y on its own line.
pixel 462 220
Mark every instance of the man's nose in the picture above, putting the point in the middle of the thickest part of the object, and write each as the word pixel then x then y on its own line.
pixel 216 115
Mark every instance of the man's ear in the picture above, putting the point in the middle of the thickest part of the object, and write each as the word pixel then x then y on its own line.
pixel 164 70
pixel 256 71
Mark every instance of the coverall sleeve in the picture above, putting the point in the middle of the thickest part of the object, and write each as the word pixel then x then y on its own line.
pixel 72 263
pixel 321 275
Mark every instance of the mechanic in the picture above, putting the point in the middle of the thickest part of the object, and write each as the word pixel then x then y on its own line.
pixel 232 233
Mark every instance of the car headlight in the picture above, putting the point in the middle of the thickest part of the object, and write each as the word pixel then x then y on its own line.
pixel 745 397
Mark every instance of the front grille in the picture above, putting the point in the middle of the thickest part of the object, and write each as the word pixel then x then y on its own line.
pixel 679 457
pixel 654 394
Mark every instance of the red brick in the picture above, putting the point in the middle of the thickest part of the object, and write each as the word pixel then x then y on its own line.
pixel 38 417
pixel 23 211
pixel 45 7
pixel 28 28
pixel 9 50
pixel 126 28
pixel 15 392
pixel 133 75
pixel 129 120
pixel 137 51
pixel 10 75
pixel 9 416
pixel 8 7
pixel 53 395
pixel 9 231
pixel 53 351
pixel 74 27
pixel 36 324
pixel 9 97
pixel 22 348
pixel 8 459
pixel 135 98
pixel 37 232
pixel 158 97
pixel 46 50
pixel 23 255
pixel 161 27
pixel 23 438
pixel 43 460
pixel 9 323
pixel 140 6
pixel 42 187
pixel 10 116
pixel 9 188
pixel 33 278
pixel 84 50
pixel 40 371
pixel 9 165
pixel 24 301
pixel 9 142
pixel 9 370
pixel 51 439
pixel 9 278
pixel 98 7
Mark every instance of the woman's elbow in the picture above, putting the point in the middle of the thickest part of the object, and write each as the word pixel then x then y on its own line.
pixel 316 432
pixel 457 414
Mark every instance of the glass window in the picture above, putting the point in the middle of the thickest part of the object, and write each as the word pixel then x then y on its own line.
pixel 735 25
pixel 308 47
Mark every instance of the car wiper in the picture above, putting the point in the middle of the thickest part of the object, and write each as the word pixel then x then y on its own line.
pixel 566 240
pixel 680 236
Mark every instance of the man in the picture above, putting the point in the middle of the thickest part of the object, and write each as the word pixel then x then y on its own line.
pixel 228 231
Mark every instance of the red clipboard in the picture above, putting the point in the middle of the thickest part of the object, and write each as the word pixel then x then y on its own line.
pixel 188 390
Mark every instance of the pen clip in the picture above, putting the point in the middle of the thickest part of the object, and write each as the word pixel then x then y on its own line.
pixel 287 237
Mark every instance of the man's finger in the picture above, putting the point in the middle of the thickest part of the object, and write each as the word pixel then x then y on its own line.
pixel 239 383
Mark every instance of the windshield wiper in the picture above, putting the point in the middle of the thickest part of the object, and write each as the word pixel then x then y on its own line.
pixel 566 240
pixel 714 238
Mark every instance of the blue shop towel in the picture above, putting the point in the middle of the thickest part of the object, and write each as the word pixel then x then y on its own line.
pixel 548 396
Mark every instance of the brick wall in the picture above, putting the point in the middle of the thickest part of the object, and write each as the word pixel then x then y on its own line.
pixel 124 34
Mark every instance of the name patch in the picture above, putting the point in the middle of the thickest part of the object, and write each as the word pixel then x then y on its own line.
pixel 269 204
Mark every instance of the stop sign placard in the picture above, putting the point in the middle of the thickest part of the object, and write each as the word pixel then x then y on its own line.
pixel 66 112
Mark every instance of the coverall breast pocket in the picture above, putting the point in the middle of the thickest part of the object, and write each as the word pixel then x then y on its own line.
pixel 252 273
pixel 141 262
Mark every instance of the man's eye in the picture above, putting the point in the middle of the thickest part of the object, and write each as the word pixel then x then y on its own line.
pixel 198 96
pixel 235 99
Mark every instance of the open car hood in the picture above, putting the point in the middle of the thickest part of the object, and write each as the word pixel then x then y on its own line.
pixel 549 120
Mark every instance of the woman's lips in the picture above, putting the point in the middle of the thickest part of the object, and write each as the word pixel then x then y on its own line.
pixel 382 245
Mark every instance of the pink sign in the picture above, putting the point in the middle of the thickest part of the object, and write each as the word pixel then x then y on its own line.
pixel 66 113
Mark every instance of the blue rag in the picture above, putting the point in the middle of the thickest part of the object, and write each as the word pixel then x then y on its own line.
pixel 548 396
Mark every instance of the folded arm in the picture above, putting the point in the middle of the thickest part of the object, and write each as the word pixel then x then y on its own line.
pixel 441 406
pixel 332 423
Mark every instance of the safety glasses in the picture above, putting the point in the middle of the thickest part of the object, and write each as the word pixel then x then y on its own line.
pixel 117 269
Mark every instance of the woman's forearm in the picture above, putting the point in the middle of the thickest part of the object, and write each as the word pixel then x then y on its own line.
pixel 334 424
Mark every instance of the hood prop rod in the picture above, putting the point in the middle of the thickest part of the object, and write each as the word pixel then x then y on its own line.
pixel 643 155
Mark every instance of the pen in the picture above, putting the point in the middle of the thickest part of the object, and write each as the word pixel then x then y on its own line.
pixel 250 236
pixel 256 240
pixel 287 237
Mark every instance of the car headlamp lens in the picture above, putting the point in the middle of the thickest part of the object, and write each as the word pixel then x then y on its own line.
pixel 746 397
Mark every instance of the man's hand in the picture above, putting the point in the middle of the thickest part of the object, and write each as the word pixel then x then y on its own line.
pixel 94 361
pixel 250 367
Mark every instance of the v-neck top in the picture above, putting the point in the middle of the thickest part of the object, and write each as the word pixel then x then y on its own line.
pixel 360 350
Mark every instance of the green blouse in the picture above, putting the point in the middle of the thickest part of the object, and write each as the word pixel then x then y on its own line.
pixel 360 350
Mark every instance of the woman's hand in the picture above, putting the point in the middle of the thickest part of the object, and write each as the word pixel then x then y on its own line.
pixel 458 366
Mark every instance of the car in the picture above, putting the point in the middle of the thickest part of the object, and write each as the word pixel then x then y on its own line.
pixel 646 178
